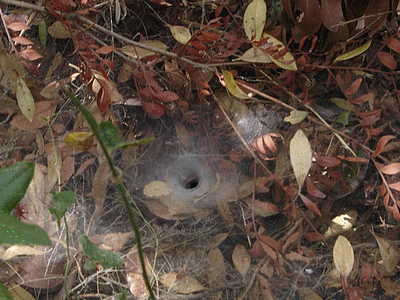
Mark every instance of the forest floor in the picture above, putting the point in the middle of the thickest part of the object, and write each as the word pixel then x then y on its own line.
pixel 258 140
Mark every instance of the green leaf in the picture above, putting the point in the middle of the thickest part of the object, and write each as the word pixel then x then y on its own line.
pixel 107 259
pixel 13 231
pixel 4 294
pixel 123 296
pixel 63 201
pixel 14 181
pixel 43 32
pixel 109 134
pixel 136 143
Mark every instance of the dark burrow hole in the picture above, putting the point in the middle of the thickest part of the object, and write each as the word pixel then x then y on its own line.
pixel 191 182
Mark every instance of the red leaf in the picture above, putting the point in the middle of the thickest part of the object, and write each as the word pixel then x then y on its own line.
pixel 18 26
pixel 331 14
pixel 310 205
pixel 199 45
pixel 105 49
pixel 328 161
pixel 268 250
pixel 270 242
pixel 391 169
pixel 387 59
pixel 376 15
pixel 353 88
pixel 394 44
pixel 166 96
pixel 313 190
pixel 363 98
pixel 395 186
pixel 309 21
pixel 153 110
pixel 395 212
pixel 381 144
pixel 22 40
pixel 314 236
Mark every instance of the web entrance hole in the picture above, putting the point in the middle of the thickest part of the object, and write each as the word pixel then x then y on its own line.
pixel 191 182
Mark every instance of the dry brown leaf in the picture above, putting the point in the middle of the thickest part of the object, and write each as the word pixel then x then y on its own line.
pixel 241 259
pixel 294 256
pixel 112 241
pixel 343 256
pixel 17 250
pixel 18 293
pixel 184 285
pixel 217 268
pixel 83 166
pixel 391 169
pixel 341 224
pixel 300 156
pixel 44 272
pixel 67 169
pixel 390 253
pixel 217 240
pixel 43 109
pixel 134 274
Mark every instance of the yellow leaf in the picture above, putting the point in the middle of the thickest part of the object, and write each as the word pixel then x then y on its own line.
pixel 343 256
pixel 255 55
pixel 185 285
pixel 296 116
pixel 232 86
pixel 353 53
pixel 286 62
pixel 139 53
pixel 254 19
pixel 79 140
pixel 25 99
pixel 300 156
pixel 18 293
pixel 180 33
pixel 157 189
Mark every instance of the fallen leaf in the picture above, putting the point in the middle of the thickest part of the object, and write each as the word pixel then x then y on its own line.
pixel 134 274
pixel 156 189
pixel 25 99
pixel 17 250
pixel 387 59
pixel 254 19
pixel 391 169
pixel 217 268
pixel 139 53
pixel 390 253
pixel 19 293
pixel 300 156
pixel 184 285
pixel 381 144
pixel 233 87
pixel 180 33
pixel 43 109
pixel 353 53
pixel 343 256
pixel 241 259
pixel 296 116
pixel 341 224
